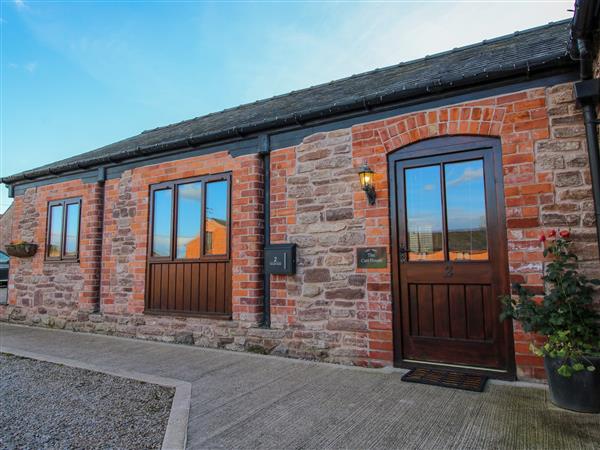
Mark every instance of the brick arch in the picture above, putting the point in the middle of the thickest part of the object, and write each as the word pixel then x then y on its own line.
pixel 465 120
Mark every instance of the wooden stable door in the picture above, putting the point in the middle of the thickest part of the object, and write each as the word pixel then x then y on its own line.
pixel 450 255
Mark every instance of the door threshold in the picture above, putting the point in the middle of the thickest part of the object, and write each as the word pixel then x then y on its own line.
pixel 492 373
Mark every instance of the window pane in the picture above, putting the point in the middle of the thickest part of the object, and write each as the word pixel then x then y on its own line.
pixel 161 238
pixel 424 214
pixel 72 236
pixel 56 216
pixel 189 215
pixel 215 241
pixel 465 203
pixel 4 257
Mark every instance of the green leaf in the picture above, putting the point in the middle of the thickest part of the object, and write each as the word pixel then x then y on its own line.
pixel 577 367
pixel 565 371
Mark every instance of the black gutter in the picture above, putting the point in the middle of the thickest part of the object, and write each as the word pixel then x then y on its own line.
pixel 586 22
pixel 364 103
pixel 264 150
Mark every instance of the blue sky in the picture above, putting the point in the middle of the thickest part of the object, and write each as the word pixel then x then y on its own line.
pixel 79 75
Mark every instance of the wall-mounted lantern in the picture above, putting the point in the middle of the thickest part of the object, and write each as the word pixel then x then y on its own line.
pixel 366 182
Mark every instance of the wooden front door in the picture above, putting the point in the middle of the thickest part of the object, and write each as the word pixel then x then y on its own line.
pixel 450 263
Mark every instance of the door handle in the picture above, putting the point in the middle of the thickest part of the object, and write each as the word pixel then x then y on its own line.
pixel 403 251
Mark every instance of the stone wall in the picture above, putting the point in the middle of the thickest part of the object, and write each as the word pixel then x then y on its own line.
pixel 54 292
pixel 313 206
pixel 330 310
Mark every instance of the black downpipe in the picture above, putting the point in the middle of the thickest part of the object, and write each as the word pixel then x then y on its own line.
pixel 266 158
pixel 591 134
pixel 591 123
pixel 101 185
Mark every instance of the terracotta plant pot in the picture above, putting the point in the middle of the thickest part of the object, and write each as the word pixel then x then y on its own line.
pixel 24 250
pixel 580 392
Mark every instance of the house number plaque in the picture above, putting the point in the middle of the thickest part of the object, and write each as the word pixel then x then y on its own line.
pixel 280 259
pixel 371 257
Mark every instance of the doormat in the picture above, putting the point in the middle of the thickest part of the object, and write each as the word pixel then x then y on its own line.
pixel 446 378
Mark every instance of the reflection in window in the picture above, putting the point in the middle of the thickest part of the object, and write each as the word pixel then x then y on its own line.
pixel 55 238
pixel 161 238
pixel 72 229
pixel 189 216
pixel 424 214
pixel 215 241
pixel 465 203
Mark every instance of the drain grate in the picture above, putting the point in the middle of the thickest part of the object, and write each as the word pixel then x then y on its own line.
pixel 446 378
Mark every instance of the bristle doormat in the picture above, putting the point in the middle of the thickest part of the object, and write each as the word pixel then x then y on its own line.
pixel 446 378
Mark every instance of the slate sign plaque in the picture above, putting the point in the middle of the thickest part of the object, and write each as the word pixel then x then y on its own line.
pixel 371 257
pixel 280 259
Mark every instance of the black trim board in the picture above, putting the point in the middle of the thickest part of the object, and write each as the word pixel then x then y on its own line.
pixel 294 135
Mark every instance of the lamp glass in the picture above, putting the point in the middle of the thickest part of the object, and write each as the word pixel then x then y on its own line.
pixel 366 177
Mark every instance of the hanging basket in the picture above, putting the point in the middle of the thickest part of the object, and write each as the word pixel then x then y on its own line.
pixel 21 250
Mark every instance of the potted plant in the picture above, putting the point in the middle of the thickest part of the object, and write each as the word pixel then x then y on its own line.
pixel 566 317
pixel 21 249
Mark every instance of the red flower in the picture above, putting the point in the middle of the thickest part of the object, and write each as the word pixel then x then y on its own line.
pixel 552 233
pixel 543 238
pixel 565 234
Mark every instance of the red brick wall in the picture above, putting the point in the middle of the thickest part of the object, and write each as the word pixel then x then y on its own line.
pixel 546 177
pixel 126 238
pixel 329 310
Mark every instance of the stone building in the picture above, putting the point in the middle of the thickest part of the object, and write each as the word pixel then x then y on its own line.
pixel 6 227
pixel 471 154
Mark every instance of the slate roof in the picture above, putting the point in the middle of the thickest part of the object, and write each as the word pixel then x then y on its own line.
pixel 538 48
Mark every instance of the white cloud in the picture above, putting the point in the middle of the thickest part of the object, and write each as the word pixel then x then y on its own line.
pixel 20 4
pixel 191 191
pixel 469 174
pixel 31 66
pixel 371 35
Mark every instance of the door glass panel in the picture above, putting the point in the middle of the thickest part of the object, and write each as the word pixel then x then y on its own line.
pixel 56 216
pixel 424 214
pixel 466 215
pixel 161 237
pixel 215 240
pixel 189 216
pixel 72 226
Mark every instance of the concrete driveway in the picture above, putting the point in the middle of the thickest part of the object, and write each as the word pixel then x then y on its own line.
pixel 249 401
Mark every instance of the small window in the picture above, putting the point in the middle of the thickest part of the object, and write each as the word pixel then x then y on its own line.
pixel 465 204
pixel 424 214
pixel 190 218
pixel 215 226
pixel 63 229
pixel 161 237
